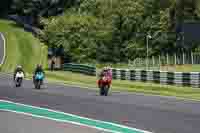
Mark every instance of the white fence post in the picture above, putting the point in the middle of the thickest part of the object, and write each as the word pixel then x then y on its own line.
pixel 159 60
pixel 167 59
pixel 175 58
pixel 192 58
pixel 153 61
pixel 183 58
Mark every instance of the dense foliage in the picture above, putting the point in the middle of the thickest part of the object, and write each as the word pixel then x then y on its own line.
pixel 119 34
pixel 108 30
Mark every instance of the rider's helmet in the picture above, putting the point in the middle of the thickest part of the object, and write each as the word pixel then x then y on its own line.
pixel 105 68
pixel 39 66
pixel 19 66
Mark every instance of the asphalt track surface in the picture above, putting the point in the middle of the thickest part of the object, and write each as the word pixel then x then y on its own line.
pixel 1 49
pixel 151 113
pixel 19 123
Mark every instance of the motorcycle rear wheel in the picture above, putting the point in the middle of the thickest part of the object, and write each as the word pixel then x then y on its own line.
pixel 18 82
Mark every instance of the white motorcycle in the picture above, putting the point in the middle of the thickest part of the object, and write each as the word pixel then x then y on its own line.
pixel 19 78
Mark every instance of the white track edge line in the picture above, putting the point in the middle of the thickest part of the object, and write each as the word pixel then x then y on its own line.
pixel 55 111
pixel 4 45
pixel 57 120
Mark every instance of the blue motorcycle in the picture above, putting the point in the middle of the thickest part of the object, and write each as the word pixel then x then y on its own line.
pixel 38 80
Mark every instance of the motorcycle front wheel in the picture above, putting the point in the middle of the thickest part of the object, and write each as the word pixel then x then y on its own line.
pixel 106 90
pixel 18 82
pixel 102 91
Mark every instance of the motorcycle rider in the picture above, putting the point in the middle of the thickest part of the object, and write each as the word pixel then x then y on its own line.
pixel 106 72
pixel 18 69
pixel 38 69
pixel 109 74
pixel 103 72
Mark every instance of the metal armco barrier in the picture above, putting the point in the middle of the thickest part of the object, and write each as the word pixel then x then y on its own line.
pixel 168 78
pixel 161 77
pixel 84 69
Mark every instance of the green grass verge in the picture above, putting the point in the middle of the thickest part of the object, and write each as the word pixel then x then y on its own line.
pixel 181 68
pixel 119 65
pixel 21 48
pixel 126 86
pixel 171 68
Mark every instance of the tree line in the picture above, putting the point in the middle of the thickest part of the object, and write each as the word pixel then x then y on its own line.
pixel 108 30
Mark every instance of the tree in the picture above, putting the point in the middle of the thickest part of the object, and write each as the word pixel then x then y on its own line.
pixel 115 30
pixel 79 34
pixel 5 6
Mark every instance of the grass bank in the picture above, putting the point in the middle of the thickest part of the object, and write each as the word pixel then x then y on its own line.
pixel 21 48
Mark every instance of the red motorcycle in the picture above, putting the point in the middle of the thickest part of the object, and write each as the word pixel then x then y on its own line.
pixel 104 85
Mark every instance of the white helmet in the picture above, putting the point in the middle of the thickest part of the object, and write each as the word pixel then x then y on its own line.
pixel 19 66
pixel 107 68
